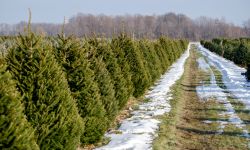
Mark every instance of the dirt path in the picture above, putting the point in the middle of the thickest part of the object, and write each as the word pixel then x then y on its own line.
pixel 199 124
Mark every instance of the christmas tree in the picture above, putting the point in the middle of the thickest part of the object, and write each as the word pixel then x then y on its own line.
pixel 72 56
pixel 15 131
pixel 104 81
pixel 49 106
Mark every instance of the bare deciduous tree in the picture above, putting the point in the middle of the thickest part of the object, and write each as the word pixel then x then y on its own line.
pixel 139 26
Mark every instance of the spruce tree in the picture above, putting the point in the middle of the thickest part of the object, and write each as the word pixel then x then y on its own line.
pixel 153 63
pixel 184 44
pixel 167 50
pixel 163 57
pixel 145 53
pixel 15 131
pixel 134 59
pixel 177 50
pixel 116 46
pixel 104 81
pixel 104 50
pixel 240 55
pixel 49 106
pixel 72 56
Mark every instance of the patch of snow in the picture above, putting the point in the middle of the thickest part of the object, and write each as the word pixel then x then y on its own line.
pixel 207 121
pixel 233 79
pixel 214 91
pixel 138 131
pixel 203 64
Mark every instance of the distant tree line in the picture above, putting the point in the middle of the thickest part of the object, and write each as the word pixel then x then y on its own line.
pixel 138 26
pixel 236 50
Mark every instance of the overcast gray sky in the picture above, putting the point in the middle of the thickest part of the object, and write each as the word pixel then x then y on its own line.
pixel 53 11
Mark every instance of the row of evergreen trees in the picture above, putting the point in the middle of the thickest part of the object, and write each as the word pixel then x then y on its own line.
pixel 59 92
pixel 236 50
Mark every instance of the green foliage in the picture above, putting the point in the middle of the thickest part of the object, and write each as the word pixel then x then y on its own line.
pixel 202 42
pixel 104 81
pixel 228 52
pixel 164 53
pixel 150 60
pixel 143 52
pixel 135 60
pixel 69 84
pixel 240 55
pixel 15 131
pixel 116 46
pixel 103 49
pixel 72 56
pixel 49 106
pixel 217 41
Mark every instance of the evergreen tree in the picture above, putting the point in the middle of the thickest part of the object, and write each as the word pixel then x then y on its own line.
pixel 105 83
pixel 134 59
pixel 162 55
pixel 228 52
pixel 104 50
pixel 173 50
pixel 144 52
pixel 49 106
pixel 168 48
pixel 72 56
pixel 240 55
pixel 15 131
pixel 184 44
pixel 155 64
pixel 178 49
pixel 116 46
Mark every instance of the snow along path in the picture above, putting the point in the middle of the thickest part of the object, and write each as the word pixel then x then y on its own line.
pixel 236 83
pixel 205 92
pixel 138 131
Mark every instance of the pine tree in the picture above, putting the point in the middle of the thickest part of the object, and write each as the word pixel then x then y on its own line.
pixel 15 131
pixel 104 81
pixel 49 106
pixel 72 56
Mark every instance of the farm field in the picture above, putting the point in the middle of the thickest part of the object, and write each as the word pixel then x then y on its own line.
pixel 70 90
pixel 124 75
pixel 174 94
